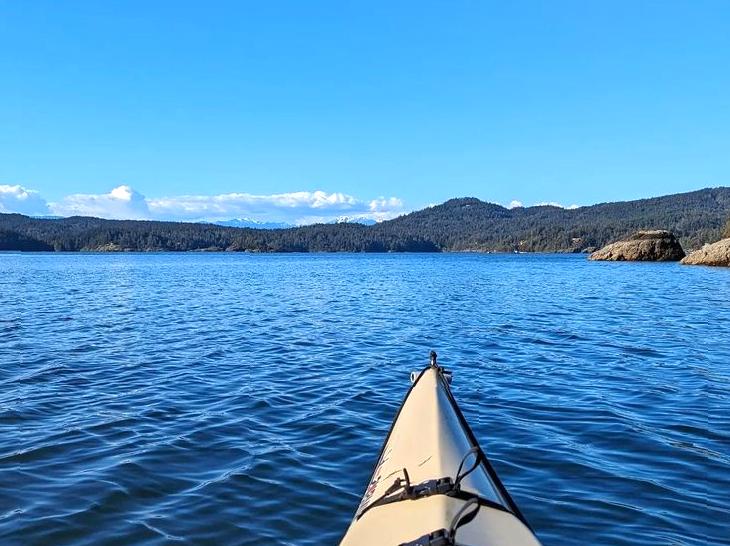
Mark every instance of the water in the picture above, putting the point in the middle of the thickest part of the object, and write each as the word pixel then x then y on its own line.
pixel 242 399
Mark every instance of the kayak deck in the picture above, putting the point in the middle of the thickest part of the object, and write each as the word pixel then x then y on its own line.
pixel 430 440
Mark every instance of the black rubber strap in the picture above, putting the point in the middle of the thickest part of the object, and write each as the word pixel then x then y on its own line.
pixel 447 537
pixel 463 516
pixel 443 486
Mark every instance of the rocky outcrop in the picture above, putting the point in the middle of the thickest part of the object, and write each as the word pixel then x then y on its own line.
pixel 715 254
pixel 106 247
pixel 650 246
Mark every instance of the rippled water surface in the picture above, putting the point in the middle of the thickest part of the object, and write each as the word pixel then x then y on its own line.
pixel 242 399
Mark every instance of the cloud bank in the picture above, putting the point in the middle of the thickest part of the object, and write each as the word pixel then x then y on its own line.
pixel 22 200
pixel 295 208
pixel 124 202
pixel 303 207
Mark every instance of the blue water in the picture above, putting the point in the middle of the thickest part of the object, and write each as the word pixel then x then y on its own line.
pixel 242 399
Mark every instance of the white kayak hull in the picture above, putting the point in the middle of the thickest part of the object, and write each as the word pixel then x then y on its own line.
pixel 430 439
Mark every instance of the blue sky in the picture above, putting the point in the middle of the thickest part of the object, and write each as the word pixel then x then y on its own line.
pixel 300 111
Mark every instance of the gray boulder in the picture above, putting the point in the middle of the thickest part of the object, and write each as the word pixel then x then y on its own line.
pixel 715 254
pixel 649 246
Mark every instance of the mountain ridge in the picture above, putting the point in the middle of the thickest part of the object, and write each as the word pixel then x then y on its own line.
pixel 457 225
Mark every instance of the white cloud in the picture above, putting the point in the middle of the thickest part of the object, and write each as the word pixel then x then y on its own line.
pixel 246 204
pixel 383 209
pixel 122 202
pixel 301 207
pixel 383 204
pixel 22 200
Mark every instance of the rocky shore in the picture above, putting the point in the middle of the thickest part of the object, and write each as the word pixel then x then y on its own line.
pixel 716 254
pixel 653 246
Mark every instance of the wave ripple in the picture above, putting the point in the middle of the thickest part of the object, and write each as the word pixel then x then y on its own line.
pixel 242 399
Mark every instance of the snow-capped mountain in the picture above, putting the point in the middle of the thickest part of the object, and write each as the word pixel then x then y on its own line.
pixel 250 223
pixel 353 220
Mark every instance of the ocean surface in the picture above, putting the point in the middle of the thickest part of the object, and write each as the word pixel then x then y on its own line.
pixel 242 399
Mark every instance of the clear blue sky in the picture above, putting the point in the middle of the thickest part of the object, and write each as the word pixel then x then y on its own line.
pixel 567 101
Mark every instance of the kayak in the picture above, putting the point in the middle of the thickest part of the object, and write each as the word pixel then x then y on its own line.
pixel 433 484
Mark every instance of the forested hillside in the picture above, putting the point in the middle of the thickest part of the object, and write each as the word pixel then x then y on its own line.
pixel 469 224
pixel 465 224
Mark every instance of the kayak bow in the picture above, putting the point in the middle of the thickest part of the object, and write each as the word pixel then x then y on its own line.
pixel 433 482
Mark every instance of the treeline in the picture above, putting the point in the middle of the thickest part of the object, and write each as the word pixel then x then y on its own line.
pixel 469 224
pixel 458 225
pixel 18 232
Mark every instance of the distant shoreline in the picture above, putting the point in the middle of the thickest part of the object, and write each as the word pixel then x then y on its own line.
pixel 285 253
pixel 459 225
